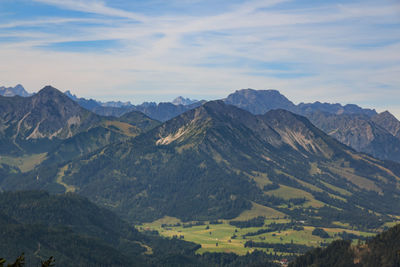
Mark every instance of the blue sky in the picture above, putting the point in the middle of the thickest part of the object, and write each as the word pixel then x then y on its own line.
pixel 333 51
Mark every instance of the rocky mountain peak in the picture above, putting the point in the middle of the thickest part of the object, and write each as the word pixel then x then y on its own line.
pixel 259 101
pixel 13 91
pixel 389 122
pixel 180 100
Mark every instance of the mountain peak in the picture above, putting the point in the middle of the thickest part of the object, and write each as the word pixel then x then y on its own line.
pixel 215 104
pixel 49 89
pixel 334 108
pixel 387 114
pixel 180 100
pixel 389 122
pixel 13 91
pixel 52 95
pixel 259 101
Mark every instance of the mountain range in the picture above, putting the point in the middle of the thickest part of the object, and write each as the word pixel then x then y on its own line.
pixel 362 129
pixel 214 160
pixel 49 125
pixel 217 160
pixel 161 112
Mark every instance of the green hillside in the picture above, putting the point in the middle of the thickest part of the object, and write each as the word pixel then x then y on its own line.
pixel 215 161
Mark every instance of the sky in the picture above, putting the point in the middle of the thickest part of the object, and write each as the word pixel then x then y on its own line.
pixel 153 50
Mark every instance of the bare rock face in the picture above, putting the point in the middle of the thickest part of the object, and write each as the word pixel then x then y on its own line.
pixel 362 129
pixel 49 113
pixel 183 101
pixel 359 132
pixel 389 122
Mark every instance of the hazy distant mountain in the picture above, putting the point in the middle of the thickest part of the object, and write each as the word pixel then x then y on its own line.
pixel 161 112
pixel 13 91
pixel 259 101
pixel 336 109
pixel 165 111
pixel 91 103
pixel 88 104
pixel 111 111
pixel 215 161
pixel 183 101
pixel 262 101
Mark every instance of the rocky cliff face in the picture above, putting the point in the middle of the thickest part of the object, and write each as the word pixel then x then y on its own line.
pixel 389 122
pixel 49 114
pixel 50 121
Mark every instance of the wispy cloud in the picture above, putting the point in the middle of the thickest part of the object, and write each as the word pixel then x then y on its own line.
pixel 93 6
pixel 347 52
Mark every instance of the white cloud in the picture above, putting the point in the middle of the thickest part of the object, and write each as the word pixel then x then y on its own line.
pixel 46 21
pixel 346 50
pixel 93 6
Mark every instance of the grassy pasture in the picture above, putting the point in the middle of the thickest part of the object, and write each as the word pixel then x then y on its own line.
pixel 24 163
pixel 218 237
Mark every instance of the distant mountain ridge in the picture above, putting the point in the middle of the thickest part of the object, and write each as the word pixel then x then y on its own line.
pixel 162 111
pixel 91 103
pixel 259 101
pixel 13 91
pixel 180 100
pixel 262 101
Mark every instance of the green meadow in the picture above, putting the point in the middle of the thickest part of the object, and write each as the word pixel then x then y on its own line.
pixel 228 238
